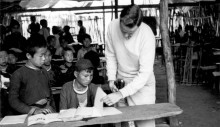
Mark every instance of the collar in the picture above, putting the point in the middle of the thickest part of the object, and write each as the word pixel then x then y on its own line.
pixel 78 91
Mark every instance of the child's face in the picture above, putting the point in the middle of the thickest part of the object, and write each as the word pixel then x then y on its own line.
pixel 84 77
pixel 39 57
pixel 64 43
pixel 48 58
pixel 3 58
pixel 53 42
pixel 68 56
pixel 12 59
pixel 86 42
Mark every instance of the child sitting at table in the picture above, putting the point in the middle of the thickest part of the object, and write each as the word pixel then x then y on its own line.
pixel 63 44
pixel 6 69
pixel 67 69
pixel 79 92
pixel 51 40
pixel 29 91
pixel 86 38
pixel 52 70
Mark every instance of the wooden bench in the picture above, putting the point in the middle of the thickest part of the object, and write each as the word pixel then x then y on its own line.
pixel 216 86
pixel 130 113
pixel 207 73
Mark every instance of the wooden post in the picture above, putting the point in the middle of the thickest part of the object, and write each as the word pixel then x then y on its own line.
pixel 168 57
pixel 116 9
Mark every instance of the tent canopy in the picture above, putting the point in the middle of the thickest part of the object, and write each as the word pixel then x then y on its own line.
pixel 42 4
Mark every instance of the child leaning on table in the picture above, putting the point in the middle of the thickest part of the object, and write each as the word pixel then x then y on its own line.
pixel 79 92
pixel 29 91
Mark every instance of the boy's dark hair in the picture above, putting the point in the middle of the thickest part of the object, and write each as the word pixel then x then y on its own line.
pixel 131 15
pixel 66 28
pixel 34 42
pixel 13 53
pixel 66 49
pixel 84 36
pixel 83 64
pixel 80 22
pixel 43 22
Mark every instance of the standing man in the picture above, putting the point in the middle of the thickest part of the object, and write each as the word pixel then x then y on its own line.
pixel 82 31
pixel 130 53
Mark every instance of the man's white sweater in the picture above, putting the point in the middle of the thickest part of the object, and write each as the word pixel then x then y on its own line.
pixel 131 58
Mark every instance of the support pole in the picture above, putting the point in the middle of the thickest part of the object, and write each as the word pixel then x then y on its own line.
pixel 116 9
pixel 168 57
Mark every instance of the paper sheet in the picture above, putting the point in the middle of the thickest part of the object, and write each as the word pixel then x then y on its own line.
pixel 4 79
pixel 13 119
pixel 107 111
pixel 99 95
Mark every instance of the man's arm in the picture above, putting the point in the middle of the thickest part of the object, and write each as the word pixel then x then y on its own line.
pixel 111 62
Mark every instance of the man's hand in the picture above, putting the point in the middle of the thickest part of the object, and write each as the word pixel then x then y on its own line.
pixel 112 86
pixel 112 98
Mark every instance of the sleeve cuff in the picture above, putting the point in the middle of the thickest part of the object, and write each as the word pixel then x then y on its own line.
pixel 124 92
pixel 31 112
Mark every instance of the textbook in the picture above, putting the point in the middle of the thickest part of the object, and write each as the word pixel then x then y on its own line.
pixel 16 119
pixel 86 112
pixel 43 119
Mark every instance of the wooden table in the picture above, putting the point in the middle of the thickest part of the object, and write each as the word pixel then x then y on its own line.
pixel 131 113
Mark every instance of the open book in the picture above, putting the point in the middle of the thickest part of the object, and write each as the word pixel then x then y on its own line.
pixel 13 119
pixel 43 119
pixel 88 112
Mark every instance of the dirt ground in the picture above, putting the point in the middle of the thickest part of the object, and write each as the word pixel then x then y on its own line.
pixel 200 107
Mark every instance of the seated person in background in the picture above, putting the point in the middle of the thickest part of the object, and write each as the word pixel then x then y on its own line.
pixel 52 70
pixel 94 58
pixel 6 68
pixel 12 59
pixel 15 41
pixel 4 75
pixel 29 91
pixel 86 41
pixel 67 34
pixel 67 69
pixel 79 92
pixel 51 41
pixel 63 44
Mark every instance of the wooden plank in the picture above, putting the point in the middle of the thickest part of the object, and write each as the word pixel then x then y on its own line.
pixel 130 113
pixel 216 74
pixel 162 125
pixel 205 68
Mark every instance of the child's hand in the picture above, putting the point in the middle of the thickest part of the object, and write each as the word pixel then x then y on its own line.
pixel 64 71
pixel 42 111
pixel 62 67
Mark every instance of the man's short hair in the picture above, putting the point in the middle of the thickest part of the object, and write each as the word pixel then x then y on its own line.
pixel 131 15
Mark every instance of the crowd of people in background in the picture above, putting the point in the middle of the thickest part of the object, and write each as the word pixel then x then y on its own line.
pixel 18 55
